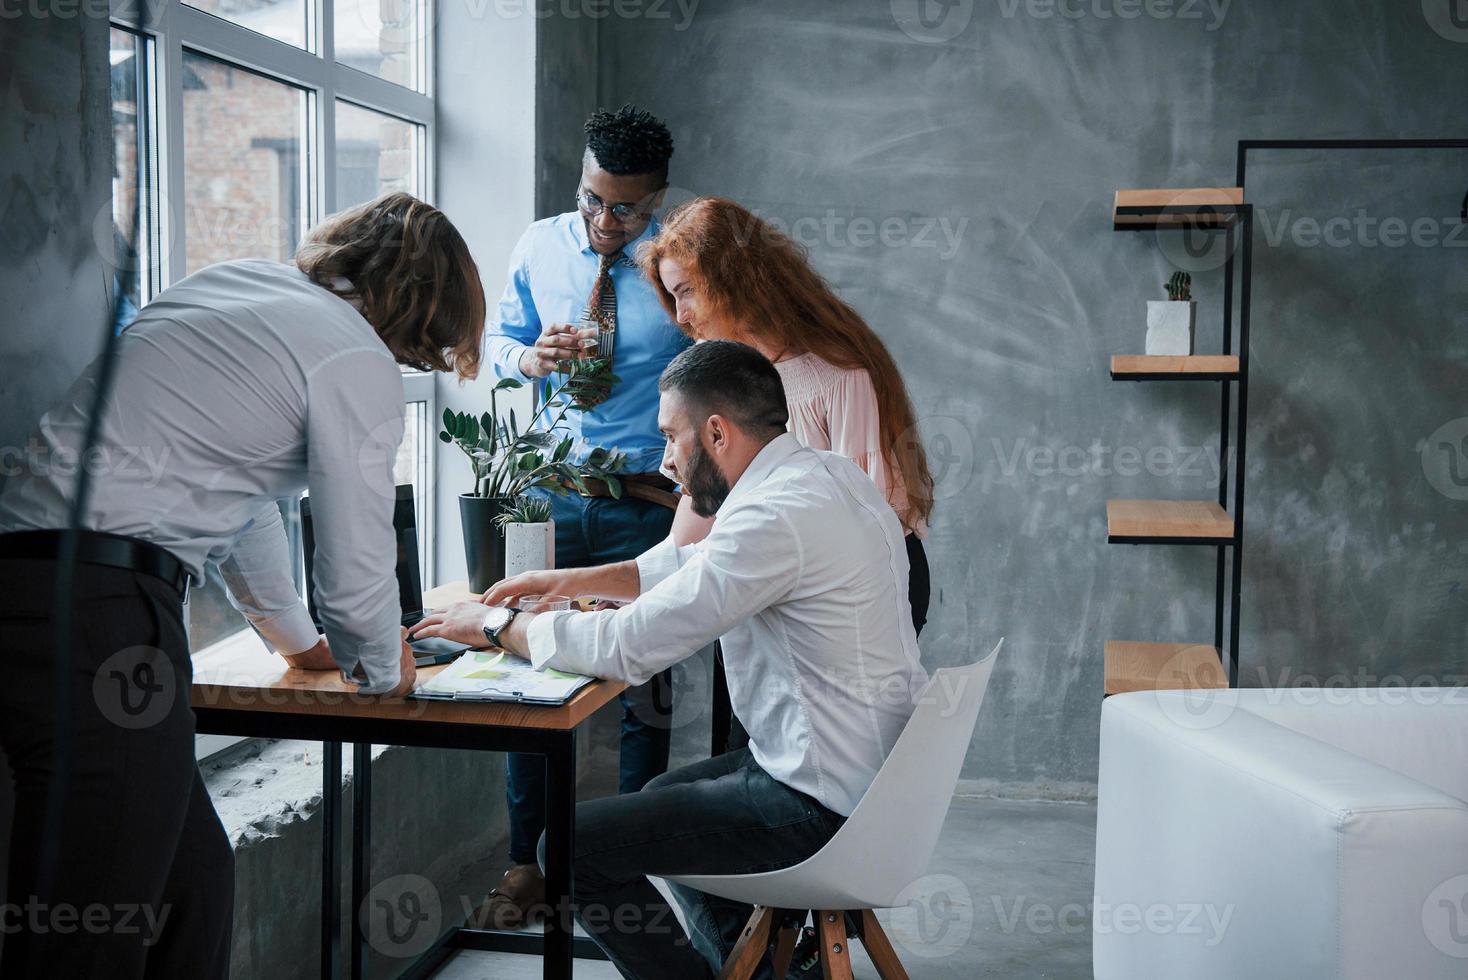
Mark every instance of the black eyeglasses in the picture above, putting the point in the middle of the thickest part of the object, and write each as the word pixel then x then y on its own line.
pixel 592 206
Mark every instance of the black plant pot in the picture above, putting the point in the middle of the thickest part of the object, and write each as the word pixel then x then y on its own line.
pixel 484 540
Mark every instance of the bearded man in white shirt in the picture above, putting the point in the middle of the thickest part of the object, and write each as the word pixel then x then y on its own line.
pixel 803 579
pixel 248 381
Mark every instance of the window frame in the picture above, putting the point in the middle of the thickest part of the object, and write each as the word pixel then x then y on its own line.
pixel 174 26
pixel 167 29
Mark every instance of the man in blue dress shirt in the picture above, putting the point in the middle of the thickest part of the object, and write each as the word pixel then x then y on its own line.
pixel 574 291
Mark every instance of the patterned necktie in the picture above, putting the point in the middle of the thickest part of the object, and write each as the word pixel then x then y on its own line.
pixel 601 308
pixel 601 312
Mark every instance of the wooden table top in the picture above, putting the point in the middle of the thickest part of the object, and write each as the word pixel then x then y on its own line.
pixel 242 674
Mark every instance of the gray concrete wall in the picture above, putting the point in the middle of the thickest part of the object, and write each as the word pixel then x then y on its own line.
pixel 55 180
pixel 509 152
pixel 486 182
pixel 953 179
pixel 565 94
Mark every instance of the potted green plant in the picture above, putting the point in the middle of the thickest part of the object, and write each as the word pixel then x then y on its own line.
pixel 508 461
pixel 1171 322
pixel 530 535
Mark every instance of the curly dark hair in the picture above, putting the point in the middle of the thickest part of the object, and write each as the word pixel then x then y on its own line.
pixel 629 141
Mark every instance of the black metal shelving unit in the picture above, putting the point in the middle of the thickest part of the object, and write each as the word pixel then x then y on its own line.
pixel 1161 665
pixel 1134 665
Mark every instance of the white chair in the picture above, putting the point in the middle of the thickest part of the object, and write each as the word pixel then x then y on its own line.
pixel 881 849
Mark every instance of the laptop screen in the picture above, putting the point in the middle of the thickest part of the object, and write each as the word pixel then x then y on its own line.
pixel 405 530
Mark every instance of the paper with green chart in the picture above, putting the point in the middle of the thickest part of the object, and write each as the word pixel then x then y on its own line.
pixel 484 676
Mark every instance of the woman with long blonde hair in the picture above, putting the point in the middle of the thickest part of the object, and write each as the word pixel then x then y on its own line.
pixel 724 273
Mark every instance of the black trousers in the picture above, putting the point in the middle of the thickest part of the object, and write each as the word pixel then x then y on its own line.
pixel 141 882
pixel 919 585
pixel 723 815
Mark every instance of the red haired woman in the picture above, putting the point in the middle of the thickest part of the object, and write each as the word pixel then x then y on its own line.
pixel 724 273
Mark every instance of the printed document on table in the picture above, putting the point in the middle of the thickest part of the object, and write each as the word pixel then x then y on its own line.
pixel 482 675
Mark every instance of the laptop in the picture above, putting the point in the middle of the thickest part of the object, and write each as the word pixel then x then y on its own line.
pixel 428 650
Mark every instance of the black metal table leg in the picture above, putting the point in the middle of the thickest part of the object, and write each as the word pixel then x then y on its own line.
pixel 331 858
pixel 361 851
pixel 560 843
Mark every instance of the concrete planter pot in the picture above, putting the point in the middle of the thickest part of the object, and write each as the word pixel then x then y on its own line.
pixel 529 547
pixel 1170 326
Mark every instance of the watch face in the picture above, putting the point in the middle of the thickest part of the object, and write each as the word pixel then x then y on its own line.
pixel 496 617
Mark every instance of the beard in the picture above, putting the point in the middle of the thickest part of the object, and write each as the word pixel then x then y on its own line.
pixel 705 484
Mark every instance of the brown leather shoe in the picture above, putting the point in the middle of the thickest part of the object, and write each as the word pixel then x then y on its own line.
pixel 510 905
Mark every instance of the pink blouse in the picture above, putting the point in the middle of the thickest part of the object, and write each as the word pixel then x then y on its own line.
pixel 835 409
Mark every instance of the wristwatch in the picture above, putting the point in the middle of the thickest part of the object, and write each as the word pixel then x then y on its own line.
pixel 496 619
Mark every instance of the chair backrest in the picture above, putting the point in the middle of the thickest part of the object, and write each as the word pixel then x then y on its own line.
pixel 886 843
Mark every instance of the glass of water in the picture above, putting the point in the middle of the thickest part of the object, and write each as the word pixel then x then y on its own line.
pixel 544 603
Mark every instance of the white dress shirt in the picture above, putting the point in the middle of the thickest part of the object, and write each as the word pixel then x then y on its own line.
pixel 804 579
pixel 244 383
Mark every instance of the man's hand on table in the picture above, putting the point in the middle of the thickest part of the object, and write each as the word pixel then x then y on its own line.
pixel 618 582
pixel 463 622
pixel 319 658
pixel 511 590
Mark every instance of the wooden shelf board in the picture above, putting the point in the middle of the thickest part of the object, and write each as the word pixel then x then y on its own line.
pixel 1167 522
pixel 1196 202
pixel 1198 367
pixel 1134 666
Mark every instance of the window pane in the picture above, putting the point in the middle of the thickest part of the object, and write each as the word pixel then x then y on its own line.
pixel 375 153
pixel 283 20
pixel 381 37
pixel 129 128
pixel 211 617
pixel 245 164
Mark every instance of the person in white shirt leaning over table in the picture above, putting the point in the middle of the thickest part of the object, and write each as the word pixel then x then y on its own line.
pixel 804 580
pixel 249 381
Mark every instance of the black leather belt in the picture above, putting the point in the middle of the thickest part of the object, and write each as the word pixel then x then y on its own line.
pixel 100 548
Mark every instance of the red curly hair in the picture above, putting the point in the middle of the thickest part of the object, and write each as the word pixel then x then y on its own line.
pixel 757 277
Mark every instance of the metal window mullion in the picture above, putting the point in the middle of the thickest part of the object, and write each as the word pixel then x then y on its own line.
pixel 134 15
pixel 427 49
pixel 427 65
pixel 428 182
pixel 172 220
pixel 326 114
pixel 372 92
pixel 222 39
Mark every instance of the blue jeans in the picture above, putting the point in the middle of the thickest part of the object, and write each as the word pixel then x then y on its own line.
pixel 724 815
pixel 596 531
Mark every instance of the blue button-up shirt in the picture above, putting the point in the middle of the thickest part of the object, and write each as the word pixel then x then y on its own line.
pixel 552 271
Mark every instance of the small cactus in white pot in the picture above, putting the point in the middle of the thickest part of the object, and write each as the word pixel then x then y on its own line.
pixel 1171 323
pixel 530 536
